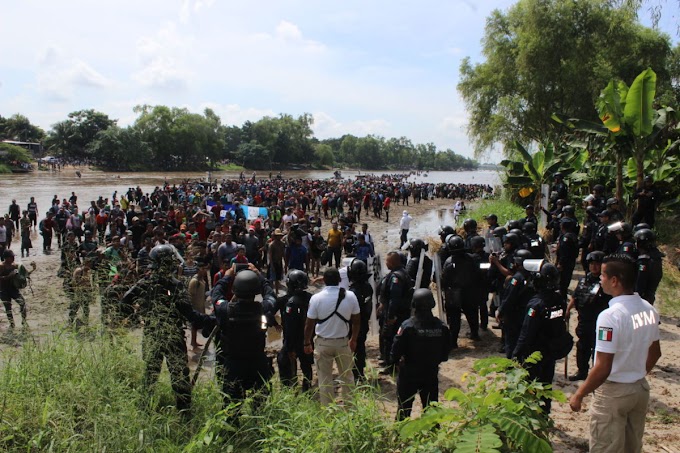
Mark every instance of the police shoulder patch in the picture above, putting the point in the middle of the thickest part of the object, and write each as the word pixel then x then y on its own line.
pixel 642 268
pixel 395 279
pixel 605 333
pixel 531 313
pixel 513 282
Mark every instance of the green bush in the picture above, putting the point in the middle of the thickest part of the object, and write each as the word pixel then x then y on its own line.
pixel 502 207
pixel 500 411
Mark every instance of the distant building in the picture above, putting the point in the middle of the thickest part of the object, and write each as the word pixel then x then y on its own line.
pixel 34 148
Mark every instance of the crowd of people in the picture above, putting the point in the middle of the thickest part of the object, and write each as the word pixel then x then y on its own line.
pixel 154 256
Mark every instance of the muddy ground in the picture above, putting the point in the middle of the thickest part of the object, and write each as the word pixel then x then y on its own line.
pixel 47 307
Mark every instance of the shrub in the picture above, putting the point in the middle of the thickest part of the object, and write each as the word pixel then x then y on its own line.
pixel 500 411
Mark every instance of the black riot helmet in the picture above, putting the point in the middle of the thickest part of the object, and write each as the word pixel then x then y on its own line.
pixel 521 255
pixel 568 209
pixel 247 284
pixel 512 224
pixel 512 239
pixel 641 226
pixel 296 280
pixel 357 271
pixel 529 228
pixel 470 226
pixel 626 230
pixel 517 232
pixel 499 232
pixel 455 244
pixel 645 238
pixel 423 300
pixel 547 278
pixel 164 256
pixel 595 257
pixel 591 211
pixel 477 241
pixel 415 246
pixel 444 231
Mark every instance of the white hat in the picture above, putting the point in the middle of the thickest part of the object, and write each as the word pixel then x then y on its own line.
pixel 405 212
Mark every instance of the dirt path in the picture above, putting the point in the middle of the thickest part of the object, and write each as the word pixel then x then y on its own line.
pixel 47 313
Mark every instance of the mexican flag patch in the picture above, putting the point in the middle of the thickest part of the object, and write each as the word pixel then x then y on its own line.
pixel 605 333
pixel 531 313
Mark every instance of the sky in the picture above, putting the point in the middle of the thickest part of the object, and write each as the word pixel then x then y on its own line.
pixel 388 68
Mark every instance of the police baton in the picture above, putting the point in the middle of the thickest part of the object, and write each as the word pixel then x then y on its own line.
pixel 201 359
pixel 566 358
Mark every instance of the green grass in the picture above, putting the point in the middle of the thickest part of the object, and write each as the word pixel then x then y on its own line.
pixel 82 393
pixel 668 238
pixel 5 169
pixel 229 167
pixel 503 208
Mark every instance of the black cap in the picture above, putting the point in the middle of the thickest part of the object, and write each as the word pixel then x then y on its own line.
pixel 491 216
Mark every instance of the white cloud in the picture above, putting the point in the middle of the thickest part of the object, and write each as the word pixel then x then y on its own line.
pixel 325 126
pixel 192 6
pixel 235 115
pixel 162 59
pixel 59 75
pixel 287 30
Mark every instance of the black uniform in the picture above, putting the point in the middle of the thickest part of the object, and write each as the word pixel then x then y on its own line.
pixel 412 270
pixel 542 324
pixel 586 239
pixel 482 287
pixel 395 298
pixel 536 245
pixel 164 304
pixel 293 308
pixel 421 344
pixel 242 340
pixel 649 273
pixel 567 252
pixel 364 293
pixel 590 302
pixel 514 299
pixel 648 198
pixel 628 247
pixel 458 282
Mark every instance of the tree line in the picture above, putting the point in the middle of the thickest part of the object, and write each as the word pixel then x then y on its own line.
pixel 171 138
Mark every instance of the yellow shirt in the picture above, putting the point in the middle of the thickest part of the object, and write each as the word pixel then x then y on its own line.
pixel 334 238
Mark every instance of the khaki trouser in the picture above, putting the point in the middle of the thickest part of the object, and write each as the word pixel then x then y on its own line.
pixel 327 350
pixel 617 417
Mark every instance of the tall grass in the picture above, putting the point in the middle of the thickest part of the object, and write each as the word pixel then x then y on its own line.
pixel 502 207
pixel 76 394
pixel 73 393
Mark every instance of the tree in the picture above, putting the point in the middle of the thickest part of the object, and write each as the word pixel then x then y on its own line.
pixel 73 136
pixel 18 127
pixel 12 154
pixel 546 56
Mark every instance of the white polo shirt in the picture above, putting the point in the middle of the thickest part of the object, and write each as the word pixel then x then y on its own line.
pixel 322 304
pixel 627 329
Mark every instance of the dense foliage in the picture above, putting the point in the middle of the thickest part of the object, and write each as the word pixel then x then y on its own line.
pixel 555 56
pixel 171 138
pixel 82 392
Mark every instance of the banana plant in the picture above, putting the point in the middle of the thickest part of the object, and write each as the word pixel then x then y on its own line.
pixel 530 171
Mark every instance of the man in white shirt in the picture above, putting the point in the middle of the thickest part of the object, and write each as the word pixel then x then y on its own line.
pixel 627 348
pixel 405 225
pixel 330 314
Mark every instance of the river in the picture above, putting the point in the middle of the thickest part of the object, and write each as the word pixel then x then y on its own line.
pixel 43 185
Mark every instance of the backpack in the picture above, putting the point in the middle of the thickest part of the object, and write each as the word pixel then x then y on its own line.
pixel 559 342
pixel 20 279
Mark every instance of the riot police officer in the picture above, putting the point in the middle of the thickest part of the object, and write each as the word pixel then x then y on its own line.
pixel 293 308
pixel 458 282
pixel 530 215
pixel 603 239
pixel 613 207
pixel 358 275
pixel 421 344
pixel 415 247
pixel 444 233
pixel 559 190
pixel 624 234
pixel 164 305
pixel 536 244
pixel 501 265
pixel 567 252
pixel 543 325
pixel 585 241
pixel 649 265
pixel 516 295
pixel 470 227
pixel 242 324
pixel 395 296
pixel 482 287
pixel 589 301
